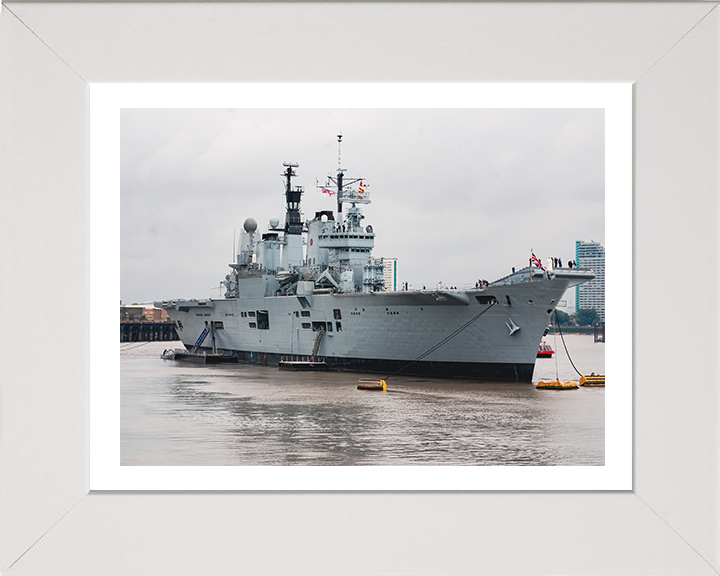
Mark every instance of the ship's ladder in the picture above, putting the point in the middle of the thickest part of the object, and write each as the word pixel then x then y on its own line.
pixel 316 346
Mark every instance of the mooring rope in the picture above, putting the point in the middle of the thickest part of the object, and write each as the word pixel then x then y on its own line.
pixel 563 341
pixel 443 341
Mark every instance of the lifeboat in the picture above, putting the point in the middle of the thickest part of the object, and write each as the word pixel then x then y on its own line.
pixel 545 350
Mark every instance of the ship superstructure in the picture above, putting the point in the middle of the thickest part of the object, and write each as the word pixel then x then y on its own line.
pixel 314 289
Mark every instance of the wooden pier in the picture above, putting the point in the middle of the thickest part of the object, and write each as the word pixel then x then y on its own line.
pixel 147 332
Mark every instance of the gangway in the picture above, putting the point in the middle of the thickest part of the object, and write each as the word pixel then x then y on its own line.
pixel 201 339
pixel 316 346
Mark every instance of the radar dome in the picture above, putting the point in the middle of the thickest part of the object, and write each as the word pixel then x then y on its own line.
pixel 250 225
pixel 323 218
pixel 274 222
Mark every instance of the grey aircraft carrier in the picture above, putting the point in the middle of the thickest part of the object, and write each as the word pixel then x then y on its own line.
pixel 313 291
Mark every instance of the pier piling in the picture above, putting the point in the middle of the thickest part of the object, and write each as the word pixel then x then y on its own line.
pixel 147 332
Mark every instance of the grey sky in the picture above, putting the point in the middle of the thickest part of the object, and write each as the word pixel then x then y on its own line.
pixel 457 194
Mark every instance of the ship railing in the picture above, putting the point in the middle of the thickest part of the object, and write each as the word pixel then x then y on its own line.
pixel 301 358
pixel 437 286
pixel 450 287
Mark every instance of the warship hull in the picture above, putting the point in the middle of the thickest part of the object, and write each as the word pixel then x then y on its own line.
pixel 491 333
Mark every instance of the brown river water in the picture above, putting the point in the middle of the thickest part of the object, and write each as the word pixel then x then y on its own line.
pixel 183 413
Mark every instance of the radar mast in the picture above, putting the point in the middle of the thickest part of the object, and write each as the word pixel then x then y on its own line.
pixel 346 192
pixel 293 223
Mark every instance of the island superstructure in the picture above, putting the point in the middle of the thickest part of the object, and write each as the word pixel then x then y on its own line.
pixel 314 289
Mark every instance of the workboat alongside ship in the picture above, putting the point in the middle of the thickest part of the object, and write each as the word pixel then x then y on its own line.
pixel 545 350
pixel 313 292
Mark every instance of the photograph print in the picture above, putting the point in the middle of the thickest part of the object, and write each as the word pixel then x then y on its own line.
pixel 362 287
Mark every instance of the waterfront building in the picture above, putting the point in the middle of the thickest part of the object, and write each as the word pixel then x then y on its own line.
pixel 390 274
pixel 591 294
pixel 151 314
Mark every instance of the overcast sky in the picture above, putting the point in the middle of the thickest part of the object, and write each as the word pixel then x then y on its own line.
pixel 457 194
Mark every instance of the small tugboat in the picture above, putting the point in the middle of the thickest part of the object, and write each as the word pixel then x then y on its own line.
pixel 545 350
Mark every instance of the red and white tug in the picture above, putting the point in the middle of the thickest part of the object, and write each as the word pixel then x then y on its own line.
pixel 545 350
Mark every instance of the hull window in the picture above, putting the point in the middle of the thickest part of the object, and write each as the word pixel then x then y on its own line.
pixel 263 320
pixel 306 325
pixel 251 324
pixel 486 299
pixel 338 326
pixel 337 314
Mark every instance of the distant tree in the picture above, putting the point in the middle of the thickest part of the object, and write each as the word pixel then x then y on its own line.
pixel 562 318
pixel 586 317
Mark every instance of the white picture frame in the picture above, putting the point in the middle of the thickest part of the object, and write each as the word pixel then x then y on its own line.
pixel 667 524
pixel 107 103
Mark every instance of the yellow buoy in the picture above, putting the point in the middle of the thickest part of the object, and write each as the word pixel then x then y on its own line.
pixel 372 385
pixel 557 385
pixel 592 380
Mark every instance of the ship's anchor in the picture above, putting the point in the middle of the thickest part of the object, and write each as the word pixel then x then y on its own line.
pixel 512 326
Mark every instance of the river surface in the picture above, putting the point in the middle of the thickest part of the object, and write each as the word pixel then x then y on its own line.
pixel 182 413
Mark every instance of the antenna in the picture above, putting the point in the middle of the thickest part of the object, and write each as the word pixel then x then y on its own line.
pixel 339 143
